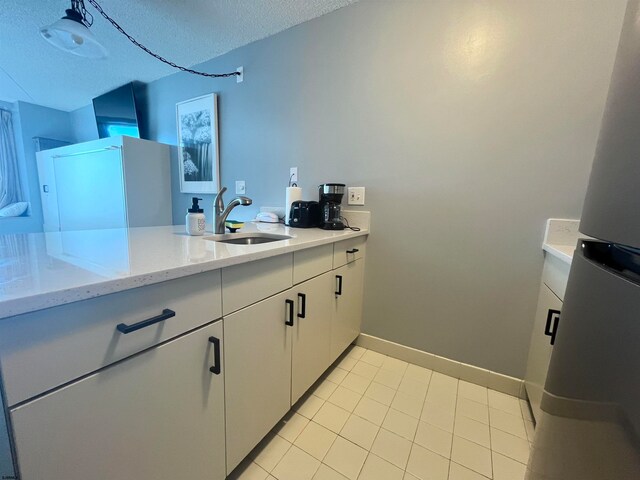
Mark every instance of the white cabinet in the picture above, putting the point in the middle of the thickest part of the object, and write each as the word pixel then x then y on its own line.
pixel 258 372
pixel 157 415
pixel 114 182
pixel 311 333
pixel 41 350
pixel 546 320
pixel 277 348
pixel 121 386
pixel 347 306
pixel 554 283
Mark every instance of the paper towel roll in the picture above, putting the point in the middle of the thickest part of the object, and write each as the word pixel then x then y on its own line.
pixel 293 195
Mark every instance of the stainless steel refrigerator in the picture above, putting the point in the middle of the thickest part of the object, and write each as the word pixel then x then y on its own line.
pixel 590 423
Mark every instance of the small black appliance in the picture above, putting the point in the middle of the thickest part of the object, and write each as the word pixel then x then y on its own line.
pixel 330 200
pixel 304 214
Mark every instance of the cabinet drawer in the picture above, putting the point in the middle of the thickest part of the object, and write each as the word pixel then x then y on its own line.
pixel 251 282
pixel 44 349
pixel 312 262
pixel 343 252
pixel 555 275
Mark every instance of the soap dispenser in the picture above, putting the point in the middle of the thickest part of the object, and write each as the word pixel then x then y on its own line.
pixel 195 218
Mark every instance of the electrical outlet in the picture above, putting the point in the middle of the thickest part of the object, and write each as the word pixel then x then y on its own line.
pixel 240 187
pixel 355 195
pixel 293 175
pixel 240 78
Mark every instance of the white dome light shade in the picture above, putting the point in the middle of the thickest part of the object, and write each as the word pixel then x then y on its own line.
pixel 73 37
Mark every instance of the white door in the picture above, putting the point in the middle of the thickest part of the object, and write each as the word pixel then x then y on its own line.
pixel 347 306
pixel 157 415
pixel 258 372
pixel 547 315
pixel 311 333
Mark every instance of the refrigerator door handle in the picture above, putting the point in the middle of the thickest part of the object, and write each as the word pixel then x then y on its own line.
pixel 552 315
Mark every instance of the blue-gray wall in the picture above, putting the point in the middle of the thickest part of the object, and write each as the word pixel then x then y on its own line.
pixel 83 123
pixel 468 122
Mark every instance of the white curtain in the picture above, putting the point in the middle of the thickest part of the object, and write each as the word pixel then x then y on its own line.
pixel 10 188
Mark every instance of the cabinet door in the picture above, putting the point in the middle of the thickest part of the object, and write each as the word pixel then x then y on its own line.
pixel 158 415
pixel 540 349
pixel 90 190
pixel 258 372
pixel 347 306
pixel 311 333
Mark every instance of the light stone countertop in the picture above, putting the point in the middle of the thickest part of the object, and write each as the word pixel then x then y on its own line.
pixel 42 270
pixel 563 252
pixel 561 237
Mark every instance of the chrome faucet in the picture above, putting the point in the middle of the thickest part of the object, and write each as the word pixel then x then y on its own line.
pixel 220 213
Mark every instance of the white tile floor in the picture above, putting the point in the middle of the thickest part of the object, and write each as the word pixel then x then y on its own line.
pixel 373 417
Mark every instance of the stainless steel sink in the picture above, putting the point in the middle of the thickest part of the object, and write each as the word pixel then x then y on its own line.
pixel 247 238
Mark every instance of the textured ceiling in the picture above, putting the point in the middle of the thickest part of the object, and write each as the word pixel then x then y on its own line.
pixel 185 31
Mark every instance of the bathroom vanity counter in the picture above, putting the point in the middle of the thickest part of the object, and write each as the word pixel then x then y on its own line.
pixel 39 271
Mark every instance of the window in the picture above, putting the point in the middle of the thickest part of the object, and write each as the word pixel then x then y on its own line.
pixel 11 195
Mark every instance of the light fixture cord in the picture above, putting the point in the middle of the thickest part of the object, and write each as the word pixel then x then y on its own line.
pixel 78 6
pixel 97 6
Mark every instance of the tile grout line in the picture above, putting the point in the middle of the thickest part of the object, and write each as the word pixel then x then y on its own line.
pixel 411 390
pixel 455 419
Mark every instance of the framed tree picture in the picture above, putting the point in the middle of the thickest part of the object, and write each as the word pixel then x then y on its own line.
pixel 198 153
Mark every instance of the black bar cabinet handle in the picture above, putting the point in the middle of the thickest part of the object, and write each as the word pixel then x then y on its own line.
pixel 353 250
pixel 166 313
pixel 216 355
pixel 339 278
pixel 290 321
pixel 548 329
pixel 303 303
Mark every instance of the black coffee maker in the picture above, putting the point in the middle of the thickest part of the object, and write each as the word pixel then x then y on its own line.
pixel 330 200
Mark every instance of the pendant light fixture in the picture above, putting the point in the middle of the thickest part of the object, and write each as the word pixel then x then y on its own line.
pixel 71 33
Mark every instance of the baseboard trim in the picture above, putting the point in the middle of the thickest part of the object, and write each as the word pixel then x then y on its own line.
pixel 470 373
